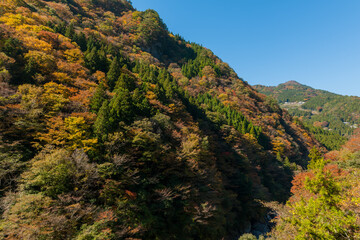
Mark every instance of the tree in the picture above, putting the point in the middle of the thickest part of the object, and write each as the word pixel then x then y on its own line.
pixel 102 124
pixel 51 174
pixel 98 98
pixel 92 59
pixel 113 73
pixel 71 132
pixel 70 31
pixel 320 216
pixel 126 82
pixel 121 107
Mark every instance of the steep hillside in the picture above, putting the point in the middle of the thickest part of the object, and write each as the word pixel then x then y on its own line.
pixel 318 109
pixel 325 195
pixel 114 128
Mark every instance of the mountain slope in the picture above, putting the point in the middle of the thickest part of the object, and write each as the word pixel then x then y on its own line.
pixel 292 91
pixel 318 108
pixel 112 127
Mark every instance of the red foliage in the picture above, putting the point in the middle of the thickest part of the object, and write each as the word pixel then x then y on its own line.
pixel 354 143
pixel 333 155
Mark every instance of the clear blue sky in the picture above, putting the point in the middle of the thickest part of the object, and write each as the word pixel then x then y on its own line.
pixel 314 42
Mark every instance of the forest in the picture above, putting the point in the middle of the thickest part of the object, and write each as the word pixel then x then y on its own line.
pixel 330 117
pixel 112 127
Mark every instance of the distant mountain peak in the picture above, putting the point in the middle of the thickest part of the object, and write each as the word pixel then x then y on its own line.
pixel 292 82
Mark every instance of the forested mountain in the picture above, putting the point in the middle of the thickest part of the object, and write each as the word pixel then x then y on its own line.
pixel 319 110
pixel 114 128
pixel 292 91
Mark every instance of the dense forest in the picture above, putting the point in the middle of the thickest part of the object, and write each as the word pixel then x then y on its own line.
pixel 112 127
pixel 325 198
pixel 332 118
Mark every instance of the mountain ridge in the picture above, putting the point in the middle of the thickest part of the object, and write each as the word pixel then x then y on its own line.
pixel 318 108
pixel 114 128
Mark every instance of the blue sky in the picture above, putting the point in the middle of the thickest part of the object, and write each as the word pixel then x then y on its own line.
pixel 314 42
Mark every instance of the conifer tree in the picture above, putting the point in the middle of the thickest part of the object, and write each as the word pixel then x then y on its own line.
pixel 92 59
pixel 98 98
pixel 121 107
pixel 70 31
pixel 113 73
pixel 102 124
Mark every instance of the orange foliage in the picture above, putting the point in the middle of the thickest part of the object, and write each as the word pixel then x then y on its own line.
pixel 333 155
pixel 353 144
pixel 130 194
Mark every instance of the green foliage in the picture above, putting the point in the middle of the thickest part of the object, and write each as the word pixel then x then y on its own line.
pixel 141 158
pixel 51 174
pixel 12 47
pixel 195 66
pixel 95 59
pixel 10 166
pixel 341 112
pixel 114 72
pixel 321 216
pixel 331 140
pixel 121 106
pixel 126 82
pixel 249 236
pixel 231 117
pixel 98 98
pixel 102 125
pixel 151 27
pixel 98 230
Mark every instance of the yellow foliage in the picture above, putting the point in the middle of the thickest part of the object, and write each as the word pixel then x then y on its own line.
pixel 61 77
pixel 278 146
pixel 30 96
pixel 223 97
pixel 36 44
pixel 77 134
pixel 150 95
pixel 74 55
pixel 28 218
pixel 136 14
pixel 55 96
pixel 32 28
pixel 191 146
pixel 15 19
pixel 203 82
pixel 100 77
pixel 43 62
pixel 71 132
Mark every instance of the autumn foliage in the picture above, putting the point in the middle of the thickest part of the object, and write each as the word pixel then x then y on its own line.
pixel 114 128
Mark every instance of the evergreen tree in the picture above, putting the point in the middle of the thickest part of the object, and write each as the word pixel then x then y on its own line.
pixel 98 98
pixel 113 73
pixel 70 31
pixel 92 59
pixel 102 124
pixel 142 105
pixel 102 64
pixel 80 39
pixel 126 82
pixel 121 107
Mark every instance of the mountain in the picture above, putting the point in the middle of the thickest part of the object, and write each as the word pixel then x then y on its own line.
pixel 320 109
pixel 292 91
pixel 114 128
